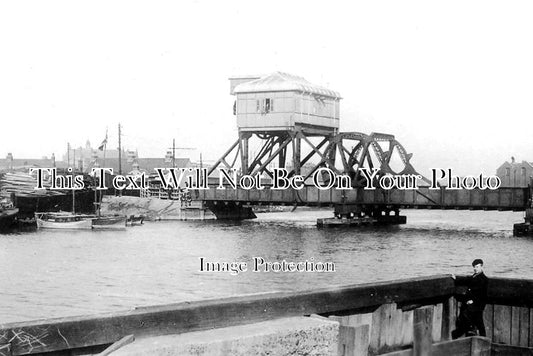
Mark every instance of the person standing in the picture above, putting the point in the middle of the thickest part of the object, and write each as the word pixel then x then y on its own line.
pixel 471 314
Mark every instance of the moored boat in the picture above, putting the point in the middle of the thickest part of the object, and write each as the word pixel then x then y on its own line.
pixel 111 222
pixel 135 220
pixel 63 220
pixel 8 216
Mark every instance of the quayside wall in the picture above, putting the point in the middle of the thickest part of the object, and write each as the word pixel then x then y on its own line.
pixel 373 318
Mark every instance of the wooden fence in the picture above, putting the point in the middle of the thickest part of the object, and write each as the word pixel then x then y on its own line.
pixel 379 315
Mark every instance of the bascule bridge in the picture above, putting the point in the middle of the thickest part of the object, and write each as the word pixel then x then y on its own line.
pixel 284 121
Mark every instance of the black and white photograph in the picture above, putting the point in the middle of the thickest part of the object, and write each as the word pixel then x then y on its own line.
pixel 206 177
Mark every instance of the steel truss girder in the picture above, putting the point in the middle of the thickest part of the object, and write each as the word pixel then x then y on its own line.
pixel 355 150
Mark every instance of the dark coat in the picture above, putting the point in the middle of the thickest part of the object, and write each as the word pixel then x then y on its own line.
pixel 477 291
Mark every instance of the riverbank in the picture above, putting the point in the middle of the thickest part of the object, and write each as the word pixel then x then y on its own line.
pixel 154 209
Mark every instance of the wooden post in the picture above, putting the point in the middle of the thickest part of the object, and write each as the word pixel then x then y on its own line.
pixel 346 341
pixel 488 316
pixel 437 322
pixel 353 339
pixel 447 319
pixel 502 324
pixel 524 326
pixel 361 340
pixel 481 346
pixel 422 331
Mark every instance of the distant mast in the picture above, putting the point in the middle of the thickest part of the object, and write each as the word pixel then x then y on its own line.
pixel 119 152
pixel 73 195
pixel 98 198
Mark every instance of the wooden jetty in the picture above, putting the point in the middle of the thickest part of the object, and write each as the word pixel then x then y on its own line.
pixel 404 317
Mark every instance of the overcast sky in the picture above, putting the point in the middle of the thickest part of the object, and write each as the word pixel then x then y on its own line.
pixel 452 80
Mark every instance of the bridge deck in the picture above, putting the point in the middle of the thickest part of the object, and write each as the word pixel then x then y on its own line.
pixel 500 199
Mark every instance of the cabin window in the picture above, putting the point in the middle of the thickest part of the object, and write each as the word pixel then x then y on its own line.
pixel 523 171
pixel 508 172
pixel 265 106
pixel 268 105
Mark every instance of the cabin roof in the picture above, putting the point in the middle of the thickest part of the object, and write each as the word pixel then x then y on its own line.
pixel 279 81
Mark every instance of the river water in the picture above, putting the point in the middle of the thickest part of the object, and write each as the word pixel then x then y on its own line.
pixel 47 274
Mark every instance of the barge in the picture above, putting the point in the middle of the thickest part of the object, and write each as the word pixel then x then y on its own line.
pixel 404 317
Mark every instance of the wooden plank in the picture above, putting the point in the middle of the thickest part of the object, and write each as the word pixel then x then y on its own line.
pixel 488 316
pixel 117 345
pixel 455 311
pixel 437 322
pixel 397 326
pixel 502 324
pixel 361 319
pixel 515 326
pixel 447 320
pixel 353 340
pixel 375 332
pixel 342 320
pixel 531 327
pixel 346 341
pixel 362 340
pixel 509 350
pixel 353 319
pixel 422 331
pixel 407 328
pixel 460 347
pixel 75 332
pixel 481 346
pixel 524 327
pixel 408 352
pixel 387 331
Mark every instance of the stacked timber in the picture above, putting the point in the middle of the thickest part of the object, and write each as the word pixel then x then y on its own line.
pixel 20 188
pixel 23 184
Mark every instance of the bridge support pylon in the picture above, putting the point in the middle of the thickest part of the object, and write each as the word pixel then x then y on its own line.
pixel 231 210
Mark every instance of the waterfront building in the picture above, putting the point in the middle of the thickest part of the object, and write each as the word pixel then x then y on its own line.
pixel 515 174
pixel 11 163
pixel 85 158
pixel 139 165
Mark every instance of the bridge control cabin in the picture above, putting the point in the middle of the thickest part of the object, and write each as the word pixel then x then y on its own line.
pixel 284 102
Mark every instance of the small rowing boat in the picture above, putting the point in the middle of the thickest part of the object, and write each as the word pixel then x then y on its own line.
pixel 109 222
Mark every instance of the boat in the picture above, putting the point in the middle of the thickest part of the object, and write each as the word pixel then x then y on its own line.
pixel 63 220
pixel 135 220
pixel 109 222
pixel 8 215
